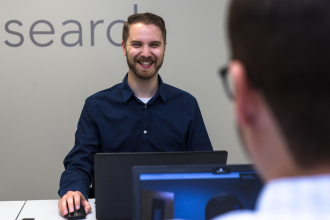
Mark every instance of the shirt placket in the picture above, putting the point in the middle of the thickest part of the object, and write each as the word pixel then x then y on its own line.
pixel 145 128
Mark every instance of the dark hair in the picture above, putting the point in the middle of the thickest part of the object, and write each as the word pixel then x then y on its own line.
pixel 220 204
pixel 285 47
pixel 145 18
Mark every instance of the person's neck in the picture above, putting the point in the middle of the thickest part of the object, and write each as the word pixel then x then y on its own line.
pixel 143 88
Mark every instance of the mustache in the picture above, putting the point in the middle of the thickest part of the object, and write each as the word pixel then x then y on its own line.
pixel 145 59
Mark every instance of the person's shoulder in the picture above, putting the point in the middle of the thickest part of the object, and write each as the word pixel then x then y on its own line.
pixel 106 93
pixel 239 215
pixel 172 91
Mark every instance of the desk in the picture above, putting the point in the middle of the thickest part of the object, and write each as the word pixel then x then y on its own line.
pixel 48 210
pixel 10 209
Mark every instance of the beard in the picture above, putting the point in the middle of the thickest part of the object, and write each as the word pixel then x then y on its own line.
pixel 144 74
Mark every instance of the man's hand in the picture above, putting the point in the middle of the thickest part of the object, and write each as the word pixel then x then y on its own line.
pixel 73 199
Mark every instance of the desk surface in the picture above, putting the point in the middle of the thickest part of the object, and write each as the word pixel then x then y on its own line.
pixel 10 209
pixel 48 209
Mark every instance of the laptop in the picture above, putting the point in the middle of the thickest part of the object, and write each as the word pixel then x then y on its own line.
pixel 113 176
pixel 194 192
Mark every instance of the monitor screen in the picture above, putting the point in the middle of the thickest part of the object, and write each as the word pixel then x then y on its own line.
pixel 201 195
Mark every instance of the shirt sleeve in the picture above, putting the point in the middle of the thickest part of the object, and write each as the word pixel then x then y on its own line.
pixel 197 138
pixel 79 169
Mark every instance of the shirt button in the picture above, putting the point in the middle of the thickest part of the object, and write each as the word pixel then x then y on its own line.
pixel 145 131
pixel 145 106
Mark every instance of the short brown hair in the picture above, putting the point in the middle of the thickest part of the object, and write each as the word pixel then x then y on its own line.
pixel 145 18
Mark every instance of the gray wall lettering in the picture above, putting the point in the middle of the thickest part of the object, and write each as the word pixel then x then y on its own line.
pixel 79 41
pixel 14 33
pixel 109 29
pixel 52 31
pixel 93 29
pixel 135 9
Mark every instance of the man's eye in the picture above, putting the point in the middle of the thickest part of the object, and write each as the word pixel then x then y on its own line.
pixel 154 45
pixel 136 45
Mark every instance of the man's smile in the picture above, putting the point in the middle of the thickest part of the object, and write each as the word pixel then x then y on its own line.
pixel 145 64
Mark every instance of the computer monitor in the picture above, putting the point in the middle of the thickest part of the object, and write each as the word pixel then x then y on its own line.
pixel 113 176
pixel 193 192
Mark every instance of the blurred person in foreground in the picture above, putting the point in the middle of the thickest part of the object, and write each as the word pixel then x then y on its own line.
pixel 280 52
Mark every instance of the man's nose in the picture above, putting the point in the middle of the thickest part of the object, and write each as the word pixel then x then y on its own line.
pixel 146 51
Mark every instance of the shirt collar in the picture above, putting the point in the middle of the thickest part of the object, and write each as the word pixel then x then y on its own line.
pixel 294 191
pixel 128 92
pixel 161 89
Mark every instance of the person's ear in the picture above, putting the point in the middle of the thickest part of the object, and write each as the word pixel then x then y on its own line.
pixel 165 48
pixel 246 97
pixel 123 47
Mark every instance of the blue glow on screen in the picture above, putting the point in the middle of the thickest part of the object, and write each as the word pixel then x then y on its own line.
pixel 174 176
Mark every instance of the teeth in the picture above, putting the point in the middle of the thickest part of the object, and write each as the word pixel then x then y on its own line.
pixel 145 63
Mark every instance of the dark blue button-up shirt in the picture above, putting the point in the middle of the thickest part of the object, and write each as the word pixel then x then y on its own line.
pixel 115 120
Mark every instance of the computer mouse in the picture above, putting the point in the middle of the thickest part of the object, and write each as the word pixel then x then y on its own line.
pixel 77 214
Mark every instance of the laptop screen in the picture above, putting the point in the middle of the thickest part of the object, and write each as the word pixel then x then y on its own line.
pixel 196 195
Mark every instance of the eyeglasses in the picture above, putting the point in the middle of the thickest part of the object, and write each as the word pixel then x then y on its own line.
pixel 227 82
pixel 228 85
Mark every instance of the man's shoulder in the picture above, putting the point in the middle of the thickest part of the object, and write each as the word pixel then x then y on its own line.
pixel 106 92
pixel 176 92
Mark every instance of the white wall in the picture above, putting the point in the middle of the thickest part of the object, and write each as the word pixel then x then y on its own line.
pixel 42 89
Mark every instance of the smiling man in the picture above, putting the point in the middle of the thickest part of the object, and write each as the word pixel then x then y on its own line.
pixel 140 114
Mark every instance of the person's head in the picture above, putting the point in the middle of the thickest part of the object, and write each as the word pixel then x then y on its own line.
pixel 220 204
pixel 144 44
pixel 280 67
pixel 144 18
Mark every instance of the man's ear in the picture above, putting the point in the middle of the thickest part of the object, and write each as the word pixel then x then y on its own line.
pixel 165 47
pixel 123 47
pixel 246 96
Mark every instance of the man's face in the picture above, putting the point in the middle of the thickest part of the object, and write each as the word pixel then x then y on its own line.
pixel 144 50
